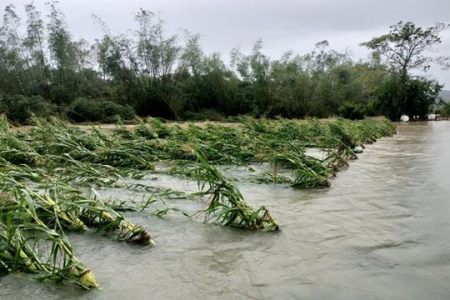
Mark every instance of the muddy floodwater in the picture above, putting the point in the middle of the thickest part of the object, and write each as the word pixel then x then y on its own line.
pixel 382 231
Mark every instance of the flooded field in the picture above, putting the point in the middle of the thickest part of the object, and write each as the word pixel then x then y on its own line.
pixel 382 231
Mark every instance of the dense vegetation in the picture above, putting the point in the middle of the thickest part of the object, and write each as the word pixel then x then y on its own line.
pixel 50 175
pixel 46 72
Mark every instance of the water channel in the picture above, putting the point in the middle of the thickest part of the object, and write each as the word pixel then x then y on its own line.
pixel 382 231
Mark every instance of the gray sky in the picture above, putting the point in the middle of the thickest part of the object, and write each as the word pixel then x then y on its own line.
pixel 282 25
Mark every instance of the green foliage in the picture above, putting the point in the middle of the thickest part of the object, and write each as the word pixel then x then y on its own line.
pixel 415 99
pixel 227 205
pixel 390 97
pixel 351 111
pixel 421 98
pixel 170 76
pixel 203 115
pixel 404 49
pixel 445 110
pixel 49 174
pixel 88 110
pixel 20 109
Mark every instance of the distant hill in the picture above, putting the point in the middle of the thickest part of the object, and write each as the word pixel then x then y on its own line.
pixel 445 95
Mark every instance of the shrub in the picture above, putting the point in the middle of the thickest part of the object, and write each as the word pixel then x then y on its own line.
pixel 89 110
pixel 351 111
pixel 203 115
pixel 445 110
pixel 19 108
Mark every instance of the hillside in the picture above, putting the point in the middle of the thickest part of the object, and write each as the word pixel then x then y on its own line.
pixel 445 95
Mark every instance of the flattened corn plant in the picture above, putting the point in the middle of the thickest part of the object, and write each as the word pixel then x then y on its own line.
pixel 38 202
pixel 24 235
pixel 226 204
pixel 29 219
pixel 49 173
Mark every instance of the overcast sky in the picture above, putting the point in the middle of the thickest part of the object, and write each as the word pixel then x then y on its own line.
pixel 282 25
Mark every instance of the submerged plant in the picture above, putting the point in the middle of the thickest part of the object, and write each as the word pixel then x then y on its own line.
pixel 49 174
pixel 226 204
pixel 29 220
pixel 23 232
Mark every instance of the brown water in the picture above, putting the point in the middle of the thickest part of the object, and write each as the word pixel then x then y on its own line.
pixel 382 231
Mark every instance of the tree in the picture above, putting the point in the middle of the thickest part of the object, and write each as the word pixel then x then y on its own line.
pixel 421 96
pixel 329 71
pixel 64 57
pixel 404 49
pixel 445 110
pixel 389 95
pixel 254 71
pixel 12 64
pixel 35 44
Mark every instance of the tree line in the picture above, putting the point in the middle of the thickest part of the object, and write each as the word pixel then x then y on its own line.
pixel 46 71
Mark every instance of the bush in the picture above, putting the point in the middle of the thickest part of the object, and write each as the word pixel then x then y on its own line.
pixel 89 110
pixel 203 115
pixel 445 110
pixel 351 111
pixel 19 108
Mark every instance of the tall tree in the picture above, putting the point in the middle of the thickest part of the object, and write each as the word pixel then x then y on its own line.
pixel 63 57
pixel 405 48
pixel 12 64
pixel 254 71
pixel 322 66
pixel 157 57
pixel 35 44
